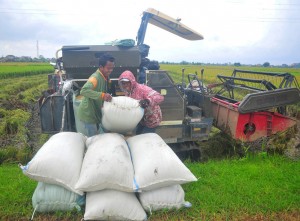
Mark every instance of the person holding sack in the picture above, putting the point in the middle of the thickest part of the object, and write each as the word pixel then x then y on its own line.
pixel 94 93
pixel 149 99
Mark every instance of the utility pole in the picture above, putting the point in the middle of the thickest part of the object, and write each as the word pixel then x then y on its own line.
pixel 37 48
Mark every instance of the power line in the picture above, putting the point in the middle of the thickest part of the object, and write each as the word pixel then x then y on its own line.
pixel 32 11
pixel 35 11
pixel 236 19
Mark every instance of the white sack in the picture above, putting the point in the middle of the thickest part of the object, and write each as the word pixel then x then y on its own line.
pixel 155 163
pixel 122 114
pixel 170 197
pixel 58 161
pixel 51 198
pixel 106 164
pixel 113 205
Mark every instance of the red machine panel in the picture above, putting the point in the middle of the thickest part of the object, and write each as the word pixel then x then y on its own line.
pixel 250 126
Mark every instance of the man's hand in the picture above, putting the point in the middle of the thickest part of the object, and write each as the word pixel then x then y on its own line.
pixel 107 97
pixel 144 103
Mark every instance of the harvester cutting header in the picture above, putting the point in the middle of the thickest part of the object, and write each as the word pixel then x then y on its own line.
pixel 248 105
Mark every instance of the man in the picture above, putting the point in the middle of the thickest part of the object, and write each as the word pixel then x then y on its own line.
pixel 94 93
pixel 149 99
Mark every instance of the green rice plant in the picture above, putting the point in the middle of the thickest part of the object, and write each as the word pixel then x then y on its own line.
pixel 249 186
pixel 17 96
pixel 30 95
pixel 24 155
pixel 15 193
pixel 43 139
pixel 14 154
pixel 293 110
pixel 19 69
pixel 13 123
pixel 23 89
pixel 246 149
pixel 8 154
pixel 18 86
pixel 280 142
pixel 252 188
pixel 211 71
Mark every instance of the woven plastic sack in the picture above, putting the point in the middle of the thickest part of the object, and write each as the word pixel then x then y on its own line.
pixel 113 205
pixel 51 198
pixel 106 164
pixel 155 164
pixel 121 115
pixel 170 197
pixel 58 161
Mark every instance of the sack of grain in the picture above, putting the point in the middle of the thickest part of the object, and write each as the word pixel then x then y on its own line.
pixel 106 164
pixel 170 197
pixel 121 115
pixel 51 198
pixel 155 164
pixel 58 161
pixel 113 205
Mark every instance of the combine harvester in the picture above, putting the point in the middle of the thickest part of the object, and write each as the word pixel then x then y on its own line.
pixel 189 112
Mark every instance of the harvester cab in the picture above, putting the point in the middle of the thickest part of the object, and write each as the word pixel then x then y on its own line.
pixel 189 111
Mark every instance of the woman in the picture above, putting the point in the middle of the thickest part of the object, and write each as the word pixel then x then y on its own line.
pixel 149 99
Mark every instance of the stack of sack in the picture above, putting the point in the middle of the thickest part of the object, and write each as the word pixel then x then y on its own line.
pixel 115 171
pixel 115 178
pixel 158 173
pixel 56 167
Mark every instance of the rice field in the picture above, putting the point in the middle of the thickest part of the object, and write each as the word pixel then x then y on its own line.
pixel 17 69
pixel 220 193
pixel 210 72
pixel 20 86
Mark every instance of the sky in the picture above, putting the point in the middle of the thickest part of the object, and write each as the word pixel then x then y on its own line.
pixel 244 31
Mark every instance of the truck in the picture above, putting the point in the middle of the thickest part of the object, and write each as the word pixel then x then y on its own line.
pixel 245 108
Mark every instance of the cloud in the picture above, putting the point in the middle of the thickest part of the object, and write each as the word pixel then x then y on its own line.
pixel 234 31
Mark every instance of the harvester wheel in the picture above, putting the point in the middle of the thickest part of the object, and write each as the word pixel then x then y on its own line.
pixel 187 150
pixel 195 155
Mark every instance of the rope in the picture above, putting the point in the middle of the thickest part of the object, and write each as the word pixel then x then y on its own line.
pixel 34 212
